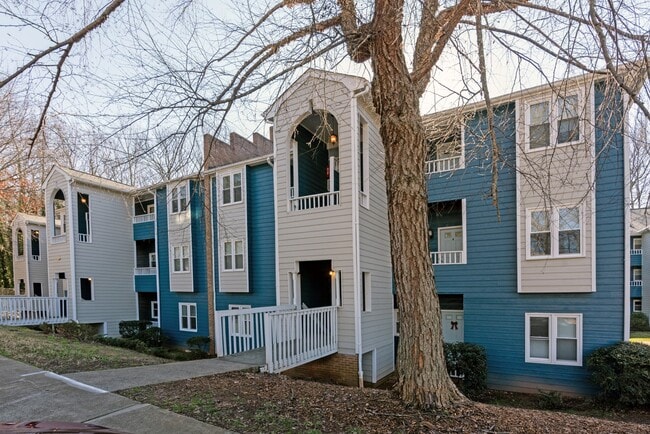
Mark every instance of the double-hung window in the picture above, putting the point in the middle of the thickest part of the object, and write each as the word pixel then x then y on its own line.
pixel 554 338
pixel 187 317
pixel 179 199
pixel 231 188
pixel 553 121
pixel 555 233
pixel 233 255
pixel 181 257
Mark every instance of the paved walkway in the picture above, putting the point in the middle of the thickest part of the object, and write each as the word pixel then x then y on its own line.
pixel 27 393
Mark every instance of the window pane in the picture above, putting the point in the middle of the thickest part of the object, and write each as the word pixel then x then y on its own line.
pixel 567 349
pixel 569 218
pixel 236 180
pixel 239 262
pixel 567 107
pixel 237 194
pixel 193 323
pixel 568 130
pixel 566 327
pixel 539 348
pixel 225 187
pixel 636 243
pixel 227 248
pixel 539 221
pixel 539 113
pixel 174 200
pixel 192 310
pixel 177 264
pixel 227 262
pixel 186 264
pixel 540 136
pixel 569 242
pixel 183 197
pixel 539 327
pixel 239 247
pixel 540 244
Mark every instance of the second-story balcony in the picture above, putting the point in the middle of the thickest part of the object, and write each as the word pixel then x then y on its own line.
pixel 447 233
pixel 145 271
pixel 144 208
pixel 445 152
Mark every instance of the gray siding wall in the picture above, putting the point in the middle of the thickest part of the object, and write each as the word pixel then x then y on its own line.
pixel 20 263
pixel 37 269
pixel 58 254
pixel 557 176
pixel 645 274
pixel 180 233
pixel 108 259
pixel 232 225
pixel 323 233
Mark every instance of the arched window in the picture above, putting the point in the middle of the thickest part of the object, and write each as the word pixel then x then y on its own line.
pixel 20 242
pixel 59 211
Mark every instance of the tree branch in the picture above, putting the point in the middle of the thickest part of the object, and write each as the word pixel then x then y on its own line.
pixel 358 39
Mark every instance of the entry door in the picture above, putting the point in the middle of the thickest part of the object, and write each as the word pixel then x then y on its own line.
pixel 453 328
pixel 451 239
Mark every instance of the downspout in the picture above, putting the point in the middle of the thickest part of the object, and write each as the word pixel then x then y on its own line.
pixel 73 259
pixel 626 194
pixel 354 122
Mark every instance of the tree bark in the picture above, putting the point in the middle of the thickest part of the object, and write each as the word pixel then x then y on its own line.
pixel 423 378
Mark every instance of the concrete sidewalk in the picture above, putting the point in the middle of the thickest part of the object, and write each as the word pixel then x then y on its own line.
pixel 29 394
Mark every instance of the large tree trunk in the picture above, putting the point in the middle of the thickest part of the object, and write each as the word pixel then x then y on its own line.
pixel 423 378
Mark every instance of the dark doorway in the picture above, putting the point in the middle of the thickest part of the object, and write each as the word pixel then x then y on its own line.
pixel 316 283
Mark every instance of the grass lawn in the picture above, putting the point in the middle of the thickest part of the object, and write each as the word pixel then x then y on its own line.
pixel 640 337
pixel 61 355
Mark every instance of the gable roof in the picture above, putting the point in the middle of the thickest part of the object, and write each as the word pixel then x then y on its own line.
pixel 30 219
pixel 87 178
pixel 639 221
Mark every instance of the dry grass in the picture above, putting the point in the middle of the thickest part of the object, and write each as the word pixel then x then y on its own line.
pixel 60 355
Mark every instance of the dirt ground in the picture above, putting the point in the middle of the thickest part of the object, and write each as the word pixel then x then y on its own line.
pixel 253 402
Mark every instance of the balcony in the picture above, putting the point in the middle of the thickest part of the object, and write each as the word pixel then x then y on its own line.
pixel 143 218
pixel 444 165
pixel 145 271
pixel 448 258
pixel 84 238
pixel 314 201
pixel 447 232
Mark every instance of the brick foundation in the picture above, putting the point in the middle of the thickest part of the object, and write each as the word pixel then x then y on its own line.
pixel 337 368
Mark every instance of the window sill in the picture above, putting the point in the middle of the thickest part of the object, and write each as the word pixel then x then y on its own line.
pixel 551 257
pixel 182 272
pixel 232 203
pixel 233 271
pixel 549 147
pixel 550 362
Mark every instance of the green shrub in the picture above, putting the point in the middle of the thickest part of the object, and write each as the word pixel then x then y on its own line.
pixel 622 371
pixel 129 329
pixel 468 361
pixel 152 337
pixel 74 330
pixel 639 322
pixel 131 344
pixel 199 343
pixel 551 400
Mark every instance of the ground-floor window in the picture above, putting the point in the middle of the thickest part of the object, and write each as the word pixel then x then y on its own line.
pixel 86 287
pixel 154 310
pixel 187 316
pixel 636 305
pixel 554 338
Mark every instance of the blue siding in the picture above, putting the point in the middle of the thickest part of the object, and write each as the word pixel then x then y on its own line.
pixel 636 291
pixel 144 231
pixel 636 260
pixel 494 311
pixel 169 310
pixel 261 241
pixel 145 284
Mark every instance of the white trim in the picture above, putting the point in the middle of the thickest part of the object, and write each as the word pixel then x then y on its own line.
pixel 626 195
pixel 170 200
pixel 592 149
pixel 157 247
pixel 518 150
pixel 552 338
pixel 364 163
pixel 92 288
pixel 182 257
pixel 635 302
pixel 553 117
pixel 189 317
pixel 276 202
pixel 233 255
pixel 73 262
pixel 154 307
pixel 554 230
pixel 231 176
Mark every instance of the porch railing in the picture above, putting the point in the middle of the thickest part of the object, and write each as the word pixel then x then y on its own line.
pixel 444 164
pixel 636 283
pixel 143 218
pixel 313 201
pixel 297 337
pixel 446 258
pixel 144 271
pixel 636 252
pixel 239 330
pixel 84 238
pixel 36 257
pixel 19 311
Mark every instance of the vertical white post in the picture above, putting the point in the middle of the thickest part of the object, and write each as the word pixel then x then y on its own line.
pixel 268 342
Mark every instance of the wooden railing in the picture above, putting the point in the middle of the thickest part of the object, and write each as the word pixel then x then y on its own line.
pixel 444 164
pixel 636 283
pixel 239 330
pixel 145 271
pixel 297 337
pixel 313 201
pixel 142 218
pixel 636 252
pixel 18 311
pixel 446 258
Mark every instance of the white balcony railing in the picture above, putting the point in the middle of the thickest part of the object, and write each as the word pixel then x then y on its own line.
pixel 19 311
pixel 36 257
pixel 444 164
pixel 447 258
pixel 314 201
pixel 58 239
pixel 636 283
pixel 636 252
pixel 143 218
pixel 144 271
pixel 84 238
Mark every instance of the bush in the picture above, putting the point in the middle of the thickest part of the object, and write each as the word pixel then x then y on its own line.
pixel 639 322
pixel 199 343
pixel 152 337
pixel 551 400
pixel 622 372
pixel 74 330
pixel 129 329
pixel 470 362
pixel 131 344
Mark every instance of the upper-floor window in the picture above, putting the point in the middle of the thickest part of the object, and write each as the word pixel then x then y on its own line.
pixel 60 226
pixel 179 199
pixel 36 245
pixel 554 338
pixel 181 258
pixel 553 121
pixel 637 243
pixel 364 175
pixel 233 255
pixel 554 233
pixel 446 150
pixel 20 242
pixel 83 217
pixel 231 188
pixel 637 273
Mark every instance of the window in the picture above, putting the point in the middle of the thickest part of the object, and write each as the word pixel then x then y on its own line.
pixel 553 121
pixel 83 217
pixel 554 233
pixel 637 243
pixel 554 338
pixel 20 242
pixel 187 317
pixel 233 255
pixel 231 188
pixel 38 291
pixel 179 199
pixel 241 325
pixel 366 298
pixel 636 273
pixel 636 305
pixel 60 226
pixel 151 208
pixel 181 256
pixel 21 286
pixel 36 245
pixel 152 260
pixel 154 310
pixel 86 286
pixel 363 162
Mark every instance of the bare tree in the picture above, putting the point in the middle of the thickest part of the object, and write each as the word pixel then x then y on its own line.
pixel 639 162
pixel 195 68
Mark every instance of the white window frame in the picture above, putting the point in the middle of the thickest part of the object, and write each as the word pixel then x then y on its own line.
pixel 240 325
pixel 636 305
pixel 366 292
pixel 553 118
pixel 553 337
pixel 232 254
pixel 177 202
pixel 634 245
pixel 185 311
pixel 183 249
pixel 364 163
pixel 20 243
pixel 554 218
pixel 151 208
pixel 154 309
pixel 232 188
pixel 636 270
pixel 92 289
pixel 153 262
